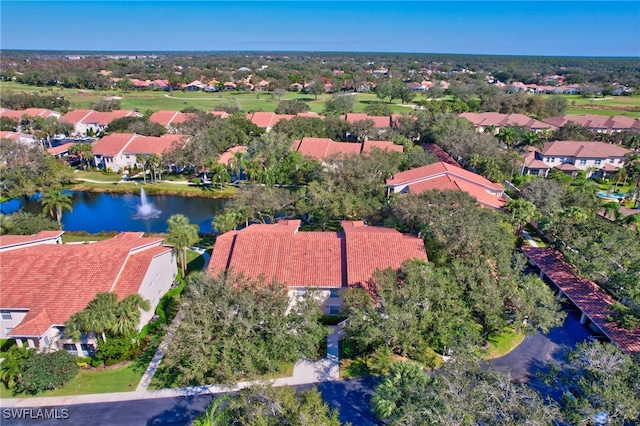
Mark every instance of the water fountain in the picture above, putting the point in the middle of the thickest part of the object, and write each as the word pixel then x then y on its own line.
pixel 146 210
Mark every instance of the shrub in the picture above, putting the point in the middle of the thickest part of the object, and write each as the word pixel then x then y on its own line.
pixel 46 371
pixel 95 362
pixel 114 350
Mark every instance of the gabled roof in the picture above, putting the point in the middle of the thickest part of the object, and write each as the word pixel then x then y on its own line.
pixel 226 157
pixel 87 116
pixel 379 122
pixel 33 112
pixel 590 298
pixel 321 148
pixel 581 149
pixel 444 176
pixel 13 241
pixel 596 122
pixel 17 136
pixel 267 120
pixel 439 153
pixel 60 149
pixel 497 119
pixel 167 118
pixel 131 143
pixel 62 279
pixel 279 252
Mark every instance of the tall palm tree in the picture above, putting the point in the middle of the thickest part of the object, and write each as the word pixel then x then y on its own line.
pixel 220 175
pixel 143 160
pixel 101 314
pixel 154 161
pixel 181 234
pixel 55 202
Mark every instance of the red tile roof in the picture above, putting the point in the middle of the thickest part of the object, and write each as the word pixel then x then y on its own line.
pixel 379 122
pixel 131 143
pixel 60 149
pixel 313 259
pixel 443 176
pixel 61 280
pixel 167 118
pixel 7 241
pixel 496 119
pixel 88 116
pixel 439 153
pixel 321 148
pixel 17 136
pixel 581 149
pixel 226 157
pixel 596 122
pixel 266 120
pixel 33 112
pixel 590 298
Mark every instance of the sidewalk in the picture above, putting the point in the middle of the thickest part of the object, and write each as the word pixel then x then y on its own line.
pixel 305 371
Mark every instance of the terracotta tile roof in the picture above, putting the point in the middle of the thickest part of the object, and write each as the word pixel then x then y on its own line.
pixel 8 241
pixel 444 176
pixel 496 119
pixel 61 280
pixel 33 112
pixel 88 116
pixel 152 144
pixel 17 136
pixel 135 270
pixel 221 114
pixel 380 122
pixel 596 122
pixel 226 157
pixel 435 169
pixel 368 145
pixel 267 120
pixel 310 115
pixel 168 118
pixel 581 149
pixel 590 298
pixel 313 259
pixel 439 153
pixel 60 149
pixel 130 143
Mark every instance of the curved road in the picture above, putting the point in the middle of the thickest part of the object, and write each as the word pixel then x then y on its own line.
pixel 350 397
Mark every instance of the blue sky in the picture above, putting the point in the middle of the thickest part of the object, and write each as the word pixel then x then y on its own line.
pixel 575 28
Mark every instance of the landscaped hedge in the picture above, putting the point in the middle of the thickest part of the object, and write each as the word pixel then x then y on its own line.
pixel 46 371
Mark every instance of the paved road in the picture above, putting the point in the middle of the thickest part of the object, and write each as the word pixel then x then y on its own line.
pixel 351 397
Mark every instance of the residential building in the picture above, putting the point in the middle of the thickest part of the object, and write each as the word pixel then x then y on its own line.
pixel 118 151
pixel 322 148
pixel 43 283
pixel 32 112
pixel 89 121
pixel 495 121
pixel 18 137
pixel 328 262
pixel 443 176
pixel 169 119
pixel 597 159
pixel 597 123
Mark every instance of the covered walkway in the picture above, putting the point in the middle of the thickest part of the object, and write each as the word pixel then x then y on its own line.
pixel 593 301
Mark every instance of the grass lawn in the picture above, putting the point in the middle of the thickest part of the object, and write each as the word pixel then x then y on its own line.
pixel 161 188
pixel 99 176
pixel 502 343
pixel 123 379
pixel 195 261
pixel 69 238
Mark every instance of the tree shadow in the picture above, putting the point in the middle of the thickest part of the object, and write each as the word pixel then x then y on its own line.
pixel 183 412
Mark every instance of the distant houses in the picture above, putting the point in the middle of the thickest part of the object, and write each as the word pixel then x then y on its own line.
pixel 597 123
pixel 323 148
pixel 90 121
pixel 597 159
pixel 118 151
pixel 494 121
pixel 32 112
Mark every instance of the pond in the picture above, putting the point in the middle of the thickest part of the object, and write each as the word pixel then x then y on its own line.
pixel 94 212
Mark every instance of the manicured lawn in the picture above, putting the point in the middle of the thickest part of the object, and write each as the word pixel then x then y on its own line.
pixel 195 261
pixel 99 176
pixel 162 188
pixel 67 238
pixel 503 343
pixel 123 379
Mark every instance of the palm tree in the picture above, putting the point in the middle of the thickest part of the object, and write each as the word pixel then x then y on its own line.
pixel 181 234
pixel 84 150
pixel 128 315
pixel 143 160
pixel 101 314
pixel 220 175
pixel 55 202
pixel 11 366
pixel 611 208
pixel 218 413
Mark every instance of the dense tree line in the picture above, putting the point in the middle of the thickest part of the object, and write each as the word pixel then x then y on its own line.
pixel 24 100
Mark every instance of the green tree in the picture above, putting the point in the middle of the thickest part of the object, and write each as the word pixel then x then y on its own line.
pixel 12 365
pixel 84 151
pixel 520 213
pixel 217 414
pixel 292 107
pixel 46 371
pixel 181 234
pixel 316 88
pixel 340 104
pixel 55 202
pixel 599 381
pixel 23 223
pixel 127 316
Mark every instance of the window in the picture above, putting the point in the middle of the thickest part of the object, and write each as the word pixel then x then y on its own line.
pixel 6 315
pixel 335 293
pixel 302 292
pixel 583 162
pixel 611 160
pixel 598 162
pixel 334 310
pixel 47 341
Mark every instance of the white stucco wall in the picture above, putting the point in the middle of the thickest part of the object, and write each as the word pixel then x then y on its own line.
pixel 157 281
pixel 321 295
pixel 16 318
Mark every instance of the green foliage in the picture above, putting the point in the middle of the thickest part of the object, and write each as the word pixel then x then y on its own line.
pixel 181 234
pixel 266 405
pixel 292 107
pixel 114 350
pixel 239 328
pixel 24 100
pixel 23 223
pixel 463 392
pixel 13 363
pixel 46 371
pixel 340 104
pixel 597 380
